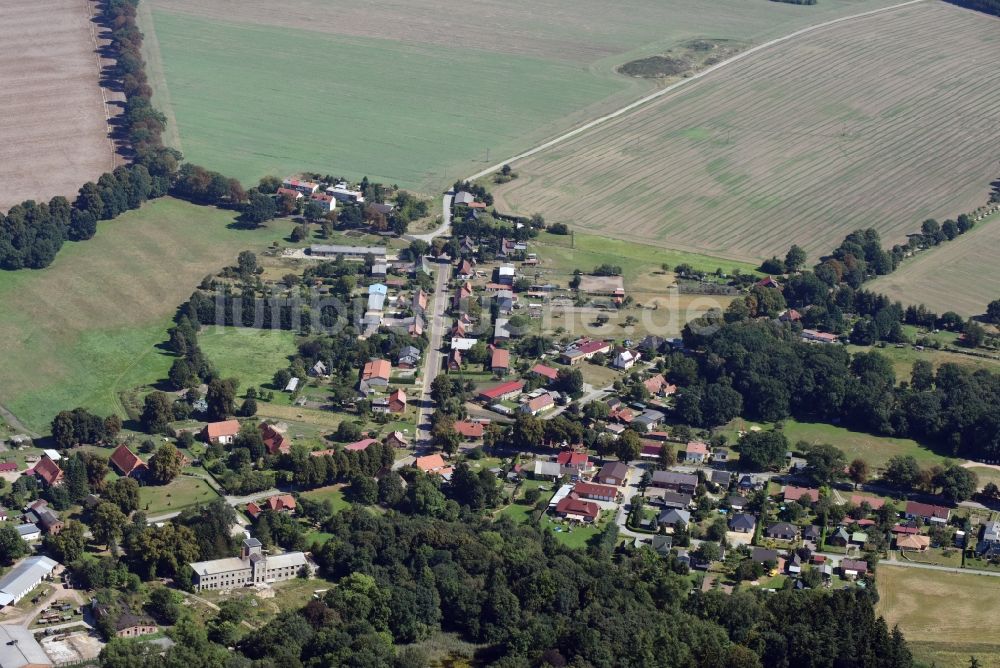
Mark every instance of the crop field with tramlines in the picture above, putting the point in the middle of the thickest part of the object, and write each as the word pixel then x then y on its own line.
pixel 417 93
pixel 881 121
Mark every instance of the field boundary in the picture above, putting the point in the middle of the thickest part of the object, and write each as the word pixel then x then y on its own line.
pixel 690 80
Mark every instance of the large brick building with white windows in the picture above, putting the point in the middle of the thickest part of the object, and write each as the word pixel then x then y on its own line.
pixel 251 568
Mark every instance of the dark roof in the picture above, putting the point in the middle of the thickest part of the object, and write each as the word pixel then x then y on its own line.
pixel 614 470
pixel 859 565
pixel 674 478
pixel 763 554
pixel 781 529
pixel 742 521
pixel 926 510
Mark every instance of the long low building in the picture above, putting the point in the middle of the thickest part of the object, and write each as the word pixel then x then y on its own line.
pixel 25 576
pixel 252 567
pixel 348 252
pixel 19 649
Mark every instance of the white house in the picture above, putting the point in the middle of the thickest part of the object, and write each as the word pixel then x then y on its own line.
pixel 625 360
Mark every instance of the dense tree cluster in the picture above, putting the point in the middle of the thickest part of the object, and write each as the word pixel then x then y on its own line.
pixel 778 376
pixel 80 426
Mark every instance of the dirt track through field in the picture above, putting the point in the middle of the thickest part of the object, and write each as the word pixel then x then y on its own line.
pixel 880 121
pixel 54 115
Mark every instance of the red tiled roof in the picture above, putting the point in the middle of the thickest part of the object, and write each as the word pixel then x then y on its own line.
pixel 216 430
pixel 574 506
pixel 469 429
pixel 126 461
pixel 570 458
pixel 793 493
pixel 698 448
pixel 48 471
pixel 502 389
pixel 590 489
pixel 899 528
pixel 926 510
pixel 540 402
pixel 500 359
pixel 274 440
pixel 376 369
pixel 546 371
pixel 874 502
pixel 429 463
pixel 358 446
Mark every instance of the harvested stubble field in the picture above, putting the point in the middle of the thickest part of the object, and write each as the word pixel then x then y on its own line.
pixel 946 617
pixel 881 121
pixel 960 275
pixel 54 132
pixel 415 93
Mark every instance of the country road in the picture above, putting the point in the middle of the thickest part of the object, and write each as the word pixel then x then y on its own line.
pixel 434 360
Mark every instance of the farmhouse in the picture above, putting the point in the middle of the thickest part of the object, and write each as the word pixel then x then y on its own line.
pixel 347 252
pixel 375 374
pixel 29 532
pixel 463 198
pixel 289 192
pixel 539 404
pixel 360 446
pixel 502 392
pixel 252 567
pixel 283 503
pixel 500 361
pixel 220 433
pixel 584 349
pixel 274 441
pixel 469 430
pixel 48 472
pixel 124 622
pixel 544 371
pixel 127 462
pixel 625 360
pixel 927 512
pixel 658 386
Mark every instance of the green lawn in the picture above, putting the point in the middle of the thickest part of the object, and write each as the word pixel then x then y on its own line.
pixel 586 251
pixel 252 355
pixel 419 116
pixel 986 475
pixel 903 358
pixel 183 492
pixel 85 329
pixel 332 493
pixel 876 450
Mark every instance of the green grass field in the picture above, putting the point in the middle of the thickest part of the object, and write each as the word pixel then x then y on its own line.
pixel 332 493
pixel 183 492
pixel 876 450
pixel 903 358
pixel 946 617
pixel 252 355
pixel 85 328
pixel 419 116
pixel 414 93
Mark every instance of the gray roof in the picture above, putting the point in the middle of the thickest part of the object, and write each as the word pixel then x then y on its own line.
pixel 614 470
pixel 650 416
pixel 251 542
pixel 464 197
pixel 548 468
pixel 742 521
pixel 763 554
pixel 674 478
pixel 27 529
pixel 24 576
pixel 673 515
pixel 782 529
pixel 18 648
pixel 327 249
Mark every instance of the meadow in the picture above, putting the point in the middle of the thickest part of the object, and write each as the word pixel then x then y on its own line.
pixel 881 121
pixel 916 600
pixel 251 355
pixel 414 93
pixel 959 275
pixel 87 328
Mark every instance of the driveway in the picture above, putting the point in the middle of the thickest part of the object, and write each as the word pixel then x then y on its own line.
pixel 434 358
